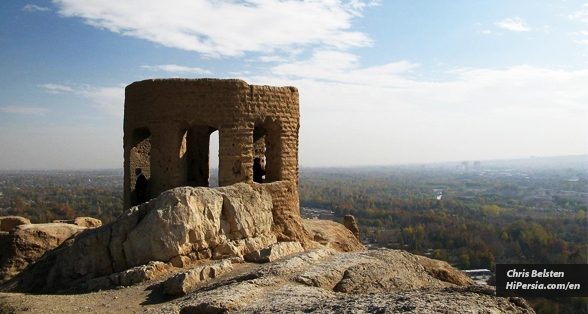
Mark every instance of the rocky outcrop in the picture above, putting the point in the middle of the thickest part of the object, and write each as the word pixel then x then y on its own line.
pixel 325 281
pixel 332 235
pixel 186 227
pixel 187 281
pixel 285 211
pixel 443 271
pixel 182 225
pixel 8 223
pixel 350 223
pixel 274 252
pixel 131 276
pixel 87 222
pixel 28 242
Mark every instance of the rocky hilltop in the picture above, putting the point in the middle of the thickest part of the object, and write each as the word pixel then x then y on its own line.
pixel 224 250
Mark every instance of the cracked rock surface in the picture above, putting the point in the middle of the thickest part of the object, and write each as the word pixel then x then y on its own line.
pixel 317 281
pixel 325 281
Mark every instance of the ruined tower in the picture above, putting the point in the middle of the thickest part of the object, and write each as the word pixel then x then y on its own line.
pixel 168 122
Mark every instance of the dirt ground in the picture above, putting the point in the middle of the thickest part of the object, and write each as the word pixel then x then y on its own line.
pixel 120 300
pixel 133 299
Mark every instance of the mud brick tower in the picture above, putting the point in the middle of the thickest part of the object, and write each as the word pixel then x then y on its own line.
pixel 168 122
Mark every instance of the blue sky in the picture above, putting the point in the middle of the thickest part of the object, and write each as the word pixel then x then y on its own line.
pixel 380 82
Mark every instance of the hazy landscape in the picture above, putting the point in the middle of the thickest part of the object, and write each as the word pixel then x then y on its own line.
pixel 471 214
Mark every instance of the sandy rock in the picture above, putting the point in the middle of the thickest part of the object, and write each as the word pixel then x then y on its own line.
pixel 87 222
pixel 26 243
pixel 296 263
pixel 187 281
pixel 332 235
pixel 140 273
pixel 350 223
pixel 248 214
pixel 287 225
pixel 8 223
pixel 274 252
pixel 184 220
pixel 181 225
pixel 444 272
pixel 397 284
pixel 368 272
pixel 243 246
pixel 128 277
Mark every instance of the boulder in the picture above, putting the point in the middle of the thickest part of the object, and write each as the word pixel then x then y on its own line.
pixel 332 235
pixel 28 242
pixel 183 220
pixel 87 222
pixel 185 282
pixel 181 225
pixel 274 252
pixel 248 214
pixel 444 272
pixel 128 277
pixel 243 246
pixel 7 223
pixel 350 223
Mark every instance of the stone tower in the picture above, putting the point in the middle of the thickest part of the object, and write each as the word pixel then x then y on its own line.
pixel 168 122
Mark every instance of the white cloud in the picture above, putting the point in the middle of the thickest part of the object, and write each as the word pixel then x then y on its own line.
pixel 227 27
pixel 177 69
pixel 24 110
pixel 106 99
pixel 56 89
pixel 34 8
pixel 473 114
pixel 486 32
pixel 271 59
pixel 581 15
pixel 345 67
pixel 516 25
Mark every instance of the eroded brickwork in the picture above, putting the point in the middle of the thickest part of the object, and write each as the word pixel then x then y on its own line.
pixel 168 122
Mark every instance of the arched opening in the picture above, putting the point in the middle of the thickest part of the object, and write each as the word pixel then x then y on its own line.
pixel 140 157
pixel 214 159
pixel 268 147
pixel 195 150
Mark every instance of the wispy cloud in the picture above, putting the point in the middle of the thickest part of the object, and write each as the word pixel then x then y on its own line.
pixel 34 8
pixel 344 67
pixel 106 99
pixel 496 110
pixel 56 89
pixel 176 69
pixel 515 24
pixel 24 110
pixel 227 27
pixel 271 59
pixel 580 15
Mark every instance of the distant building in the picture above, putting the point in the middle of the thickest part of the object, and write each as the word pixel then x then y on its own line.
pixel 477 164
